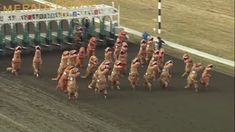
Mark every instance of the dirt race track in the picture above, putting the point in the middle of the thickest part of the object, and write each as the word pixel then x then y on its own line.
pixel 28 104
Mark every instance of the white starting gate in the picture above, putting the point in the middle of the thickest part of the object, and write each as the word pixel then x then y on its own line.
pixel 57 14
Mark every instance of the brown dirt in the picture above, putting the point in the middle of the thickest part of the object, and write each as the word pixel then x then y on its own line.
pixel 30 104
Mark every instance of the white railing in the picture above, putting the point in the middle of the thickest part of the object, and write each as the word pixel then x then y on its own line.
pixel 187 49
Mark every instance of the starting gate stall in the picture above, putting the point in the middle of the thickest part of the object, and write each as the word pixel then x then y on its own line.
pixel 36 16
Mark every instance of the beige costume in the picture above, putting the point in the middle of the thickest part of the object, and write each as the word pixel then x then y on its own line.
pixel 117 49
pixel 78 34
pixel 72 83
pixel 80 57
pixel 142 52
pixel 114 78
pixel 134 73
pixel 156 57
pixel 123 57
pixel 192 79
pixel 63 64
pixel 72 58
pixel 108 54
pixel 150 75
pixel 92 66
pixel 149 48
pixel 96 74
pixel 122 36
pixel 91 47
pixel 188 64
pixel 161 58
pixel 205 78
pixel 37 61
pixel 102 82
pixel 166 75
pixel 62 81
pixel 16 62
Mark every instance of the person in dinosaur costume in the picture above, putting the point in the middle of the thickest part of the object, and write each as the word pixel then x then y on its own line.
pixel 150 75
pixel 37 61
pixel 115 74
pixel 188 65
pixel 62 65
pixel 134 73
pixel 72 58
pixel 166 74
pixel 92 66
pixel 123 57
pixel 91 47
pixel 205 77
pixel 81 57
pixel 142 52
pixel 102 82
pixel 117 48
pixel 72 86
pixel 62 81
pixel 192 80
pixel 149 48
pixel 97 72
pixel 15 62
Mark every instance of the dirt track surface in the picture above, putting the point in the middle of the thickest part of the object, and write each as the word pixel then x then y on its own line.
pixel 30 104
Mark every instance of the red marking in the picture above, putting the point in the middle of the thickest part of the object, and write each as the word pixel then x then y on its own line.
pixel 96 12
pixel 30 17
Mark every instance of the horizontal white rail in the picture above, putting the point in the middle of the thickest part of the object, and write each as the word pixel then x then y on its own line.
pixel 187 49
